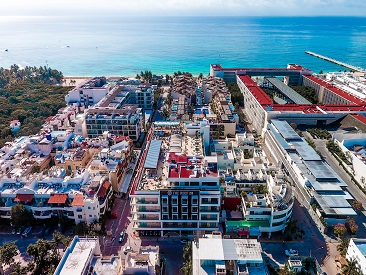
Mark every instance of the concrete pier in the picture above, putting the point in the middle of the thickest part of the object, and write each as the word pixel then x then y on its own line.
pixel 348 66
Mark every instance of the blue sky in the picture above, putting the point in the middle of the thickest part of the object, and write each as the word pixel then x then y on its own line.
pixel 185 7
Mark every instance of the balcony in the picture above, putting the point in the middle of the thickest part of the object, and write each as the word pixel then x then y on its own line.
pixel 137 225
pixel 145 217
pixel 209 209
pixel 144 201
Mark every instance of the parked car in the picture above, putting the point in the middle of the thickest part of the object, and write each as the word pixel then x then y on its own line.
pixel 291 252
pixel 26 231
pixel 121 236
pixel 127 249
pixel 114 216
pixel 20 230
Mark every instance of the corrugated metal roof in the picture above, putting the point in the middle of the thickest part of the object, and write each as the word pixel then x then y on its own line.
pixel 287 91
pixel 285 129
pixel 152 157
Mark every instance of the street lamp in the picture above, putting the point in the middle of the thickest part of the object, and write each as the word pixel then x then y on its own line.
pixel 316 249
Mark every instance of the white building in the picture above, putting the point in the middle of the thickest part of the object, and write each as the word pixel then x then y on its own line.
pixel 354 148
pixel 357 251
pixel 216 256
pixel 89 92
pixel 179 191
pixel 145 261
pixel 316 182
pixel 83 256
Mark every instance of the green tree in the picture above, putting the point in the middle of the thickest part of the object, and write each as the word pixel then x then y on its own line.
pixel 7 253
pixel 18 269
pixel 340 229
pixel 342 247
pixel 351 268
pixel 186 269
pixel 20 216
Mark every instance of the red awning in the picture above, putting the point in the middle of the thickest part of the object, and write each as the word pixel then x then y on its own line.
pixel 103 189
pixel 58 198
pixel 24 198
pixel 78 200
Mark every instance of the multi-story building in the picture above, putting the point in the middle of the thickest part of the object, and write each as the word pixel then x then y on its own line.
pixel 89 92
pixel 146 261
pixel 179 192
pixel 328 92
pixel 357 252
pixel 125 121
pixel 84 256
pixel 215 255
pixel 317 184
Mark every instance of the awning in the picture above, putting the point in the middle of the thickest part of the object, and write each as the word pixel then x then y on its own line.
pixel 58 198
pixel 78 200
pixel 24 198
pixel 103 189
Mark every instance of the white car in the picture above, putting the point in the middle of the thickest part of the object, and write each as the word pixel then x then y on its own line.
pixel 291 252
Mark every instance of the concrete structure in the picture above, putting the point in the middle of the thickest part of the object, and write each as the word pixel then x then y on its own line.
pixel 353 146
pixel 316 183
pixel 83 256
pixel 179 191
pixel 357 251
pixel 89 92
pixel 121 121
pixel 145 261
pixel 214 255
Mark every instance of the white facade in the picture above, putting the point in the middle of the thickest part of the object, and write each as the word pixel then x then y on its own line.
pixel 89 92
pixel 357 251
pixel 353 146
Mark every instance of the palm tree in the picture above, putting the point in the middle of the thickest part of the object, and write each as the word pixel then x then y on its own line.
pixel 351 268
pixel 186 269
pixel 342 247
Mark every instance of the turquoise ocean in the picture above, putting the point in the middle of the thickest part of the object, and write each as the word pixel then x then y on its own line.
pixel 87 46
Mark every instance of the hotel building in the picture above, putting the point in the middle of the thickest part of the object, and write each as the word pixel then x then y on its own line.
pixel 179 191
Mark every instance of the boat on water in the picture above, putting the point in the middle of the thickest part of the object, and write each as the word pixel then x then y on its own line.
pixel 6 50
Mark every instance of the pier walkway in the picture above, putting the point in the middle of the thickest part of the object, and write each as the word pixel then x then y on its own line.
pixel 351 67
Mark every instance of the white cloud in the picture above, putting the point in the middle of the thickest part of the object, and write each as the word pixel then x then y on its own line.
pixel 184 7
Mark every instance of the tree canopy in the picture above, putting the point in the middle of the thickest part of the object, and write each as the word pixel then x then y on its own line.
pixel 236 95
pixel 30 96
pixel 7 253
pixel 20 216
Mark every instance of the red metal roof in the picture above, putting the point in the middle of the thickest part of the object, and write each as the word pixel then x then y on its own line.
pixel 336 90
pixel 103 189
pixel 256 91
pixel 57 198
pixel 360 118
pixel 24 198
pixel 78 200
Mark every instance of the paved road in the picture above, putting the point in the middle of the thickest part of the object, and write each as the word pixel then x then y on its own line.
pixel 352 187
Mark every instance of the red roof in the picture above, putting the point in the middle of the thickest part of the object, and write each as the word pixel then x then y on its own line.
pixel 336 90
pixel 122 138
pixel 78 200
pixel 50 118
pixel 256 91
pixel 24 198
pixel 360 118
pixel 103 189
pixel 177 158
pixel 58 198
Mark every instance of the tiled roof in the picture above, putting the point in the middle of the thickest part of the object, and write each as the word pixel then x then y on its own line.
pixel 78 200
pixel 57 198
pixel 256 91
pixel 103 189
pixel 24 198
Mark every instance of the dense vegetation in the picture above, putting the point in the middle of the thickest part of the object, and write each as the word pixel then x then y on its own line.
pixel 307 92
pixel 236 95
pixel 30 96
